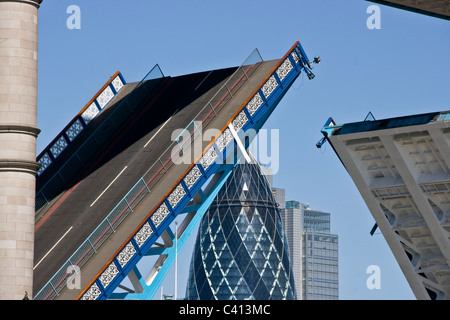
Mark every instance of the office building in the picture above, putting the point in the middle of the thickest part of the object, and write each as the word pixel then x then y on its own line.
pixel 241 251
pixel 313 251
pixel 279 195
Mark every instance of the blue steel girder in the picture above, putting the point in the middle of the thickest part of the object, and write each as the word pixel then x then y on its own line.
pixel 247 121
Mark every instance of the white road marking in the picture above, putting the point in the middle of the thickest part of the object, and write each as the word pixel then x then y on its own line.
pixel 109 186
pixel 157 132
pixel 52 247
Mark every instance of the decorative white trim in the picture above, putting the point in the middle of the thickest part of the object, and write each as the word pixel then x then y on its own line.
pixel 284 69
pixel 105 97
pixel 126 254
pixel 160 214
pixel 90 113
pixel 143 234
pixel 254 104
pixel 92 293
pixel 223 140
pixel 192 177
pixel 74 130
pixel 269 86
pixel 295 57
pixel 45 161
pixel 117 83
pixel 240 120
pixel 208 158
pixel 239 143
pixel 109 274
pixel 176 195
pixel 58 146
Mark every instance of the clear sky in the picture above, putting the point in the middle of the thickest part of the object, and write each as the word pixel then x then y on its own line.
pixel 400 69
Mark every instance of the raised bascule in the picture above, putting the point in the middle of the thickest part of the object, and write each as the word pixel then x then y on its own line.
pixel 401 167
pixel 138 158
pixel 434 8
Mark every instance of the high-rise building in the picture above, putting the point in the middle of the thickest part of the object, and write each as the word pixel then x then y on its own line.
pixel 279 195
pixel 241 251
pixel 313 251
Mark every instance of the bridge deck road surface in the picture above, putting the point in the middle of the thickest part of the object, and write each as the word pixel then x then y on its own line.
pixel 92 198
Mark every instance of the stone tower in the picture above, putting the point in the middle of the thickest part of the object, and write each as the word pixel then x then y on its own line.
pixel 18 132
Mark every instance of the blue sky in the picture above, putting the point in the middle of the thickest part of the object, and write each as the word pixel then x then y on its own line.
pixel 400 69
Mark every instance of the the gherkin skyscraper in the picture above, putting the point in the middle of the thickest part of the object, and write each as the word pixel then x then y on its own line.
pixel 241 251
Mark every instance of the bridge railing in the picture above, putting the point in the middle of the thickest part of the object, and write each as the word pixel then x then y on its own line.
pixel 149 180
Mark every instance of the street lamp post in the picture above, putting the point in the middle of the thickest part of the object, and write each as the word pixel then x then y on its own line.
pixel 176 258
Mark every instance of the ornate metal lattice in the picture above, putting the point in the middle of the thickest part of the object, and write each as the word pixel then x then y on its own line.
pixel 176 195
pixel 224 139
pixel 284 69
pixel 117 83
pixel 208 158
pixel 160 214
pixel 269 86
pixel 45 161
pixel 90 113
pixel 143 234
pixel 58 146
pixel 126 254
pixel 92 293
pixel 254 104
pixel 192 177
pixel 109 274
pixel 239 121
pixel 105 97
pixel 295 57
pixel 74 130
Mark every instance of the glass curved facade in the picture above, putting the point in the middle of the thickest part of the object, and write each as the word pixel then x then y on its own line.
pixel 241 250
